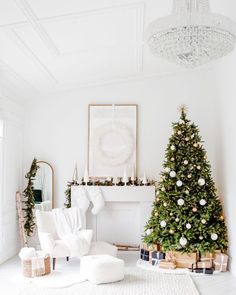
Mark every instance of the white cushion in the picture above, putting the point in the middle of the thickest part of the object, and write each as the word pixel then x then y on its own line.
pixel 101 269
pixel 100 248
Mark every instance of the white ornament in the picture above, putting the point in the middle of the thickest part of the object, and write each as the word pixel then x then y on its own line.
pixel 200 237
pixel 172 147
pixel 167 169
pixel 179 183
pixel 180 202
pixel 172 174
pixel 203 221
pixel 163 189
pixel 214 237
pixel 195 144
pixel 149 231
pixel 189 175
pixel 187 138
pixel 198 167
pixel 163 223
pixel 171 214
pixel 185 162
pixel 172 159
pixel 183 241
pixel 177 219
pixel 179 132
pixel 201 181
pixel 188 226
pixel 202 202
pixel 165 204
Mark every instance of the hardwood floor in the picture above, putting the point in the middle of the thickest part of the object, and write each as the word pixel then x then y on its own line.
pixel 220 284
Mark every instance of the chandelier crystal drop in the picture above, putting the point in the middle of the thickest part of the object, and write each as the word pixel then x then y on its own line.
pixel 191 35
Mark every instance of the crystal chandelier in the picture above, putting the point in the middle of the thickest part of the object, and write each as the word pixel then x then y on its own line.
pixel 191 35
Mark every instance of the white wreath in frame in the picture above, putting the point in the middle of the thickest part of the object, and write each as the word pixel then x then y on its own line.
pixel 110 158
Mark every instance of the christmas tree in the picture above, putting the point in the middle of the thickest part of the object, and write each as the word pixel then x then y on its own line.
pixel 187 213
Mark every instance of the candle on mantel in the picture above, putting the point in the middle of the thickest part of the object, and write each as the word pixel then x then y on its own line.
pixel 125 178
pixel 133 174
pixel 145 179
pixel 86 175
pixel 75 174
pixel 115 180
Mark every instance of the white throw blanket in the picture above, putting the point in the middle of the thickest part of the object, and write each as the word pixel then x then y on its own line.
pixel 69 229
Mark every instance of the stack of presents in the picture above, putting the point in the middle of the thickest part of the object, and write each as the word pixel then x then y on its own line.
pixel 207 263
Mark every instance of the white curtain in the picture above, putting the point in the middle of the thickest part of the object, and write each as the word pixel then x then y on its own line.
pixel 1 181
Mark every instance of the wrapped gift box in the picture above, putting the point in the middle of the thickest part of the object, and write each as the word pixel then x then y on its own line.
pixel 182 260
pixel 167 264
pixel 156 257
pixel 221 262
pixel 207 271
pixel 144 254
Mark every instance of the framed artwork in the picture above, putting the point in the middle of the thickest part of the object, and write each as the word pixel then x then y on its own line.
pixel 112 139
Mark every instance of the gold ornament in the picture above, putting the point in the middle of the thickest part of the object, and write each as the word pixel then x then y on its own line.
pixel 171 214
pixel 156 214
pixel 221 217
pixel 165 204
pixel 194 209
pixel 157 199
pixel 171 231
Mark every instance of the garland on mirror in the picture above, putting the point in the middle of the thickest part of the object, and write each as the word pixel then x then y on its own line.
pixel 28 200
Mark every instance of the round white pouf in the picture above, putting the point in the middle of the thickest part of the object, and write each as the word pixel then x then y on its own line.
pixel 101 269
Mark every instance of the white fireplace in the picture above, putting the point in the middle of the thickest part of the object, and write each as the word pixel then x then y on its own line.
pixel 126 211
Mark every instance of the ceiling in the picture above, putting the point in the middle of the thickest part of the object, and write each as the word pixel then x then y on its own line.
pixel 57 45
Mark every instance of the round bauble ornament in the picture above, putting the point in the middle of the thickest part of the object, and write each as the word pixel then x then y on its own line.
pixel 163 223
pixel 183 241
pixel 199 167
pixel 180 202
pixel 172 147
pixel 179 132
pixel 171 231
pixel 221 217
pixel 177 219
pixel 200 237
pixel 195 145
pixel 149 232
pixel 203 221
pixel 202 202
pixel 201 181
pixel 214 237
pixel 194 209
pixel 171 214
pixel 188 226
pixel 179 183
pixel 165 204
pixel 156 214
pixel 189 175
pixel 167 169
pixel 157 199
pixel 185 162
pixel 172 174
pixel 172 159
pixel 163 189
pixel 186 138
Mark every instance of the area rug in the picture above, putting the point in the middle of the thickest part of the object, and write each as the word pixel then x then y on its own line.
pixel 136 282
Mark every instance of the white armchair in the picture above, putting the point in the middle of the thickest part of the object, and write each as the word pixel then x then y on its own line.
pixel 56 248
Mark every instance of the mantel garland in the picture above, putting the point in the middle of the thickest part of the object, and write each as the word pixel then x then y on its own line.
pixel 106 182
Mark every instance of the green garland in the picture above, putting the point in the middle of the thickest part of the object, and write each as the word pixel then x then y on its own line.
pixel 29 204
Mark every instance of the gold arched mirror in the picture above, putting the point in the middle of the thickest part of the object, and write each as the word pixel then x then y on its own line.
pixel 44 187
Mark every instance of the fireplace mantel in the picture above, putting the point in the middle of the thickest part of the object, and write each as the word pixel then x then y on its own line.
pixel 126 211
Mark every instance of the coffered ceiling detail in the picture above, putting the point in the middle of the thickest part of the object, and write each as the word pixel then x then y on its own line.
pixel 58 45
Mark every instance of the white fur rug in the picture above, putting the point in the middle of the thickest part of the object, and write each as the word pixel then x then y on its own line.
pixel 137 282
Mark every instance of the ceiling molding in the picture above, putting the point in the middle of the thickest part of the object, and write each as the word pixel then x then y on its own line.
pixel 24 6
pixel 25 48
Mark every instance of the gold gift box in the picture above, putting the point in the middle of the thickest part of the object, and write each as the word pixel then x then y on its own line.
pixel 182 260
pixel 167 264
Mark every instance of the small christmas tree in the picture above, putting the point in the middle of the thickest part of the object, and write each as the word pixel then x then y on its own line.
pixel 187 214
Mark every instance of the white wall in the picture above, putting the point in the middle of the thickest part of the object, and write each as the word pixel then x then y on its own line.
pixel 12 177
pixel 227 148
pixel 56 125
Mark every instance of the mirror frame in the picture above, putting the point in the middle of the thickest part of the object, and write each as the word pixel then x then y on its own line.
pixel 44 162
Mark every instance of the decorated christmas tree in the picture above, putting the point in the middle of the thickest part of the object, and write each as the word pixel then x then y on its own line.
pixel 187 213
